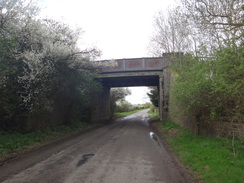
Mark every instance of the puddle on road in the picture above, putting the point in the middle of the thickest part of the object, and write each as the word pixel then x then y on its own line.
pixel 84 159
pixel 145 120
pixel 153 136
pixel 126 117
pixel 155 139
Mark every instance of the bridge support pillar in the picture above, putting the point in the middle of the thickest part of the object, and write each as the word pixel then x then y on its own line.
pixel 161 96
pixel 101 105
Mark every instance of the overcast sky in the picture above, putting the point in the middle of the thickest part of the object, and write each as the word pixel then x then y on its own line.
pixel 119 28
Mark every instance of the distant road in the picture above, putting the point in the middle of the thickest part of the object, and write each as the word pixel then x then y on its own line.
pixel 122 152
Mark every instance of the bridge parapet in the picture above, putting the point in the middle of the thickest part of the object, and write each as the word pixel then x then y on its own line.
pixel 137 64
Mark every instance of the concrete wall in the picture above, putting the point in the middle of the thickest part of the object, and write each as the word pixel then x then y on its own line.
pixel 101 105
pixel 168 59
pixel 166 90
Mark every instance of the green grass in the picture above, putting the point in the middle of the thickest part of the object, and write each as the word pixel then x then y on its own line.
pixel 151 112
pixel 14 141
pixel 156 115
pixel 120 114
pixel 155 118
pixel 213 158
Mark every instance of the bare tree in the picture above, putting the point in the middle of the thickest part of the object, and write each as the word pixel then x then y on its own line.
pixel 196 23
pixel 173 32
pixel 218 21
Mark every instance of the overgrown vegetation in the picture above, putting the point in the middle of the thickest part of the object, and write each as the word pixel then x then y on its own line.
pixel 153 95
pixel 153 109
pixel 156 117
pixel 13 141
pixel 44 77
pixel 211 89
pixel 208 80
pixel 214 159
pixel 117 100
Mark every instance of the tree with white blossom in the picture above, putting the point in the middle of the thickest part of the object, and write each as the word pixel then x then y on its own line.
pixel 40 61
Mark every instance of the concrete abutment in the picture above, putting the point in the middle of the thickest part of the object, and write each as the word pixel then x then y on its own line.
pixel 101 105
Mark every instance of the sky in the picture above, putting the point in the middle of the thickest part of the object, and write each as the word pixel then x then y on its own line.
pixel 119 28
pixel 138 95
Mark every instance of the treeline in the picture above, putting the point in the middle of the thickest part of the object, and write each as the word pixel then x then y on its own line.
pixel 45 79
pixel 119 104
pixel 208 79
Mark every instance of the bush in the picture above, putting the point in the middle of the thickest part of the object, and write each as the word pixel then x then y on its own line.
pixel 41 66
pixel 211 88
pixel 124 106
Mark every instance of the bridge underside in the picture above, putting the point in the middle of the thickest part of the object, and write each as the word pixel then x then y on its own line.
pixel 127 81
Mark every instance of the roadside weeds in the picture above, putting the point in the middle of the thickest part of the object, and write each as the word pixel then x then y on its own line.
pixel 15 145
pixel 207 159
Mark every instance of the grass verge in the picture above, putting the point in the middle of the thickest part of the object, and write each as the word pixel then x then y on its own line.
pixel 120 114
pixel 215 159
pixel 11 142
pixel 156 115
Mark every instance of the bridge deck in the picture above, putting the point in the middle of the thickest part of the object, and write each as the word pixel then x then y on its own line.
pixel 133 72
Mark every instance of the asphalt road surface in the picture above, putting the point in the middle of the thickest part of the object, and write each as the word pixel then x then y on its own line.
pixel 122 152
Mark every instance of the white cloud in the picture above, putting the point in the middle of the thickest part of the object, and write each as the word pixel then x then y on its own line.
pixel 120 28
pixel 138 95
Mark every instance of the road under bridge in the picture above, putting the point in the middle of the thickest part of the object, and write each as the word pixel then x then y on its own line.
pixel 150 71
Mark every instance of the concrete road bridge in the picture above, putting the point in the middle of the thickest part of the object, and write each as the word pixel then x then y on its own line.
pixel 151 71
